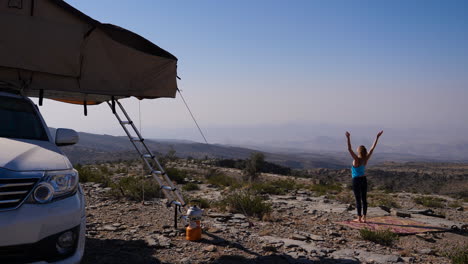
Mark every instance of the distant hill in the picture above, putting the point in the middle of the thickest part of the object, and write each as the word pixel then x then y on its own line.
pixel 429 142
pixel 94 148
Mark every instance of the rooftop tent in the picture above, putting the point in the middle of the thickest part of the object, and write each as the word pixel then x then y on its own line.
pixel 50 49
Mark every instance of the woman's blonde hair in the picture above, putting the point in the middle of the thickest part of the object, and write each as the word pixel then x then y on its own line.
pixel 362 152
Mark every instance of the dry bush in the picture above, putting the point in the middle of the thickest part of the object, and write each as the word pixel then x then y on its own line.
pixel 455 204
pixel 219 179
pixel 202 203
pixel 254 166
pixel 177 175
pixel 136 188
pixel 345 197
pixel 277 187
pixel 322 189
pixel 458 255
pixel 191 187
pixel 381 199
pixel 246 203
pixel 383 237
pixel 91 174
pixel 430 201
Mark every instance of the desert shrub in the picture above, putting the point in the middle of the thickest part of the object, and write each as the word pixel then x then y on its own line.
pixel 136 188
pixel 455 204
pixel 171 154
pixel 104 169
pixel 430 201
pixel 122 170
pixel 253 166
pixel 246 203
pixel 204 203
pixel 458 255
pixel 345 197
pixel 383 200
pixel 190 187
pixel 383 237
pixel 217 178
pixel 322 189
pixel 177 175
pixel 287 184
pixel 274 187
pixel 386 188
pixel 199 201
pixel 89 174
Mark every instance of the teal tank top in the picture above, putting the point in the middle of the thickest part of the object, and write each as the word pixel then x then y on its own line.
pixel 358 171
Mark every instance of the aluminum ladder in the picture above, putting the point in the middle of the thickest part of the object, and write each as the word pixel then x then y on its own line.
pixel 159 174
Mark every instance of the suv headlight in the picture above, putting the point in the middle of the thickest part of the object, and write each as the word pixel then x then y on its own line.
pixel 56 184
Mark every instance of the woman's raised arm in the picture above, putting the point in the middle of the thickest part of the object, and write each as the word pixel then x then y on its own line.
pixel 350 149
pixel 374 145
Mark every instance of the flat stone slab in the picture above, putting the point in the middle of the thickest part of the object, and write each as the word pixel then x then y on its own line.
pixel 298 237
pixel 374 212
pixel 290 243
pixel 238 216
pixel 311 236
pixel 400 213
pixel 436 221
pixel 369 257
pixel 364 256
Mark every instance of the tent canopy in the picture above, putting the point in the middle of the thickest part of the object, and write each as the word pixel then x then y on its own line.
pixel 51 49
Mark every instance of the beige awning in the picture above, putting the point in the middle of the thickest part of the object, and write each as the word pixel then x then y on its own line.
pixel 48 47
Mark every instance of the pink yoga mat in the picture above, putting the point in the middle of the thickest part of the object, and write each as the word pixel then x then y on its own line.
pixel 395 224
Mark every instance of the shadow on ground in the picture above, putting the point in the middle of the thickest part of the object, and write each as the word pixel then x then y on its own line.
pixel 279 259
pixel 219 241
pixel 116 251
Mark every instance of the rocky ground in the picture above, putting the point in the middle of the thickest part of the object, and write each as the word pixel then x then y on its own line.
pixel 301 229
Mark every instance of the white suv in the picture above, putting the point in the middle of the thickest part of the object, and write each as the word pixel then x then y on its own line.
pixel 42 206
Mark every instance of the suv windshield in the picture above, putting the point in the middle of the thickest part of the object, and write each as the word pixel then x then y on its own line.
pixel 19 120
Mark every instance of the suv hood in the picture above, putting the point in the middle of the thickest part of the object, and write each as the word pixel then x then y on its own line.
pixel 31 155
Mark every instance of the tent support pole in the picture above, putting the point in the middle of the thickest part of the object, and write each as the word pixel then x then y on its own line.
pixel 113 105
pixel 41 96
pixel 176 208
pixel 85 105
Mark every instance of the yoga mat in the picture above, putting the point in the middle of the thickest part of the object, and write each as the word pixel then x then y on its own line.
pixel 395 224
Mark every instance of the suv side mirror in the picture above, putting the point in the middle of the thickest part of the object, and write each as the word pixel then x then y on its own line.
pixel 65 137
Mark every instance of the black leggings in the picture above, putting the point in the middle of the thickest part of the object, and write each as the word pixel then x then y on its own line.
pixel 360 193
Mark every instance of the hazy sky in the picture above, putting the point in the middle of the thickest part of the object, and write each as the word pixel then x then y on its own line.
pixel 394 64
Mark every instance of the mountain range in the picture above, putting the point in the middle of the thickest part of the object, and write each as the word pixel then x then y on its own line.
pixel 93 148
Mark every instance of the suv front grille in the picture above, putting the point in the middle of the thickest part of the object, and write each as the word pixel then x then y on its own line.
pixel 14 191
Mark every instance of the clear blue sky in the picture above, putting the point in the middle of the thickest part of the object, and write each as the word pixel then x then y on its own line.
pixel 393 64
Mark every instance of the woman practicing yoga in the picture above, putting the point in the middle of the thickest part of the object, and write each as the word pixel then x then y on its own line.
pixel 358 171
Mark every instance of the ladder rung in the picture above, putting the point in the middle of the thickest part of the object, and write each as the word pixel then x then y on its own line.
pixel 126 122
pixel 148 156
pixel 176 203
pixel 169 188
pixel 137 139
pixel 158 172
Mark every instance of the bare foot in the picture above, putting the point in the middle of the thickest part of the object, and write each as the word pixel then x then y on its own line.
pixel 358 220
pixel 364 220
